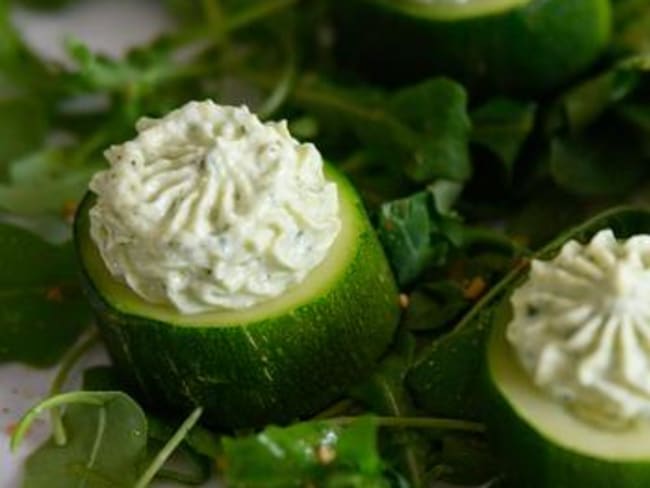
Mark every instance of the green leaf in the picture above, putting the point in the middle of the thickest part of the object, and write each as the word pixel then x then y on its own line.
pixel 437 110
pixel 467 460
pixel 139 70
pixel 445 195
pixel 584 104
pixel 385 393
pixel 317 453
pixel 444 381
pixel 608 160
pixel 632 25
pixel 21 71
pixel 103 443
pixel 23 126
pixel 42 310
pixel 587 102
pixel 635 114
pixel 415 235
pixel 45 183
pixel 434 306
pixel 422 130
pixel 547 211
pixel 503 126
pixel 198 439
pixel 157 462
pixel 446 378
pixel 107 437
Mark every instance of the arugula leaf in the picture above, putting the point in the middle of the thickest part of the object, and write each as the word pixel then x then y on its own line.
pixel 503 126
pixel 107 437
pixel 385 393
pixel 20 69
pixel 609 160
pixel 548 211
pixel 466 460
pixel 200 440
pixel 444 381
pixel 23 126
pixel 318 453
pixel 104 444
pixel 632 25
pixel 437 110
pixel 42 310
pixel 415 235
pixel 139 70
pixel 435 305
pixel 583 104
pixel 45 183
pixel 422 130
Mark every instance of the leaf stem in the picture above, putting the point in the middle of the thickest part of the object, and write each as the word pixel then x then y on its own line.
pixel 68 362
pixel 84 397
pixel 282 89
pixel 99 436
pixel 419 423
pixel 232 23
pixel 168 449
pixel 345 104
pixel 258 12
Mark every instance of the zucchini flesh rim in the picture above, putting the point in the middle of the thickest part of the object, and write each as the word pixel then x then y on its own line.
pixel 451 10
pixel 548 417
pixel 319 280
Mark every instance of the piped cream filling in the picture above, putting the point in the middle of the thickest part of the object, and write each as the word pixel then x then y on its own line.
pixel 581 328
pixel 209 208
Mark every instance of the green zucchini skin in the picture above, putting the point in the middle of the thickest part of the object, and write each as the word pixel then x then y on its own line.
pixel 533 461
pixel 273 370
pixel 527 50
pixel 529 458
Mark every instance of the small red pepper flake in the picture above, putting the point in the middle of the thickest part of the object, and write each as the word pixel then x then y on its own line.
pixel 54 294
pixel 475 288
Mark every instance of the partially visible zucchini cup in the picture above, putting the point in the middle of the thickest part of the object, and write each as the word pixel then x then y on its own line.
pixel 524 47
pixel 274 362
pixel 541 443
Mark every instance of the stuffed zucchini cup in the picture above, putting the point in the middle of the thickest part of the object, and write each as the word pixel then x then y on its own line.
pixel 230 268
pixel 568 362
pixel 523 47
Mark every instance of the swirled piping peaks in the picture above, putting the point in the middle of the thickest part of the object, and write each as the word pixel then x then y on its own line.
pixel 209 208
pixel 581 328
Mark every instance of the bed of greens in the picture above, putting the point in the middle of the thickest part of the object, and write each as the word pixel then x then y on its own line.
pixel 463 185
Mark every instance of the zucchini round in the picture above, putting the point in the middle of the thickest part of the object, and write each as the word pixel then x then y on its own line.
pixel 274 362
pixel 523 47
pixel 540 442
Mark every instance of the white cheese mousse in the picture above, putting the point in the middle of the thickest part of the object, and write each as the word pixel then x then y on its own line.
pixel 581 328
pixel 209 208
